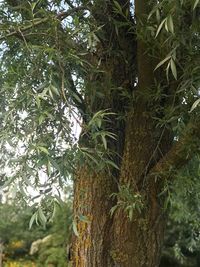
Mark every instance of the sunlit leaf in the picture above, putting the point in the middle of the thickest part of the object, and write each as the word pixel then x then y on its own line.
pixel 170 24
pixel 160 27
pixel 162 62
pixel 195 4
pixel 173 68
pixel 33 217
pixel 195 104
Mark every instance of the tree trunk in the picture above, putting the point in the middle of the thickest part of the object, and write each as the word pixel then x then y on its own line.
pixel 92 199
pixel 138 241
pixel 118 241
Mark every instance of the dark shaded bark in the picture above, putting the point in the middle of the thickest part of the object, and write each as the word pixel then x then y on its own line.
pixel 138 242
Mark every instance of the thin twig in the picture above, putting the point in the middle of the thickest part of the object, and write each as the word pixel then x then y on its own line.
pixel 59 16
pixel 24 39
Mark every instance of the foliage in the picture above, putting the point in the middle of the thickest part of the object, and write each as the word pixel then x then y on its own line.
pixel 60 68
pixel 17 236
pixel 182 240
pixel 14 221
pixel 46 50
pixel 36 112
pixel 42 100
pixel 53 256
pixel 54 251
pixel 128 201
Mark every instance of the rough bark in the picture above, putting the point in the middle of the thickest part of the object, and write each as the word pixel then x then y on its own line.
pixel 138 242
pixel 117 241
pixel 92 193
pixel 92 200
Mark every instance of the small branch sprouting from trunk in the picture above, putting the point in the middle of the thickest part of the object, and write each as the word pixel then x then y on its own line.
pixel 181 152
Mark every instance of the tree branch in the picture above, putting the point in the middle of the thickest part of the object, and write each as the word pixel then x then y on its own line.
pixel 69 3
pixel 145 62
pixel 59 16
pixel 182 151
pixel 77 97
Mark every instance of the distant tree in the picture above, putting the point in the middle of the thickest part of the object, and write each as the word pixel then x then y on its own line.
pixel 128 72
pixel 17 238
pixel 55 250
pixel 182 239
pixel 14 228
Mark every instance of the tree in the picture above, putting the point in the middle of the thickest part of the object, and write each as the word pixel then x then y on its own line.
pixel 17 239
pixel 129 72
pixel 54 247
pixel 14 229
pixel 181 246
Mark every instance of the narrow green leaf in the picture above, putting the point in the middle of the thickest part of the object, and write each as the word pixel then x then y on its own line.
pixel 113 209
pixel 158 14
pixel 173 68
pixel 195 104
pixel 109 162
pixel 77 98
pixel 118 6
pixel 43 149
pixel 37 101
pixel 33 5
pixel 41 119
pixel 162 62
pixel 104 141
pixel 50 93
pixel 42 217
pixel 195 4
pixel 55 90
pixel 99 122
pixel 49 169
pixel 55 164
pixel 170 24
pixel 91 157
pixel 33 217
pixel 166 25
pixel 160 27
pixel 167 70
